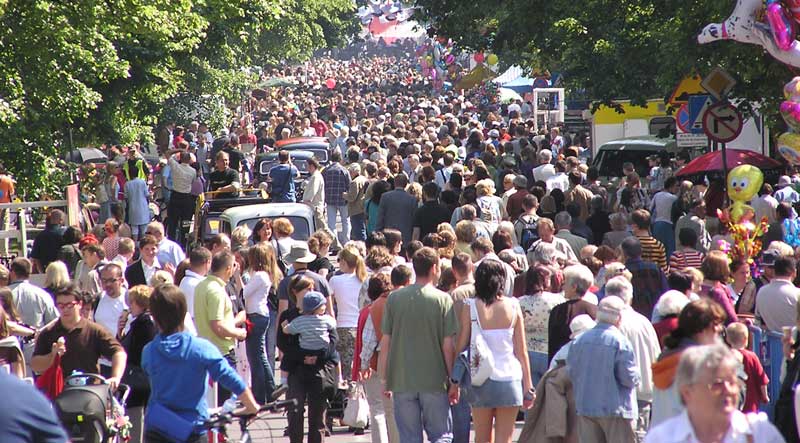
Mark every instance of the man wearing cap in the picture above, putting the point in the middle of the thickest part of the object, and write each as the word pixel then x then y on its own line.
pixel 514 204
pixel 606 411
pixel 776 302
pixel 786 192
pixel 299 257
pixel 646 348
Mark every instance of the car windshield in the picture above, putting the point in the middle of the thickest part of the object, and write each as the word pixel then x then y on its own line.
pixel 610 162
pixel 302 231
pixel 265 166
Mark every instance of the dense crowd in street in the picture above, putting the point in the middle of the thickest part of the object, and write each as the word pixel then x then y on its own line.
pixel 481 269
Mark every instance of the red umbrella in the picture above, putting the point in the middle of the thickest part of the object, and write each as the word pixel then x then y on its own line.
pixel 712 161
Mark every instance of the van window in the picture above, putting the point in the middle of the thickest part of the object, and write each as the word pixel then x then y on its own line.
pixel 662 126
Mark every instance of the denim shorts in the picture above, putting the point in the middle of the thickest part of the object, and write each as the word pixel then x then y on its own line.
pixel 497 394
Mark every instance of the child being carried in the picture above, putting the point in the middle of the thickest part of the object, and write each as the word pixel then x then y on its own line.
pixel 314 326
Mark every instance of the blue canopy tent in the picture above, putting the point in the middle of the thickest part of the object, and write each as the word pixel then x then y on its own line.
pixel 520 85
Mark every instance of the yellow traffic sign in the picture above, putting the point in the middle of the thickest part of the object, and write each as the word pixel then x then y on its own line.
pixel 690 85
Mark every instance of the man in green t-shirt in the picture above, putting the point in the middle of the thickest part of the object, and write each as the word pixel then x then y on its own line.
pixel 213 311
pixel 417 352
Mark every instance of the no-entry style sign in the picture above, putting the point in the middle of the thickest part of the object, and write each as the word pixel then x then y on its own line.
pixel 722 123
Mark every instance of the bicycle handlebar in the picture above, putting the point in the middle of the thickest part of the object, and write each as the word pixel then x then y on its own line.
pixel 220 420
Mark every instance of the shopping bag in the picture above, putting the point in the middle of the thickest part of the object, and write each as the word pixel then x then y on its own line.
pixel 51 382
pixel 356 413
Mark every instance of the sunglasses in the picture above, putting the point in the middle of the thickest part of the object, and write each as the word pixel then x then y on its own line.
pixel 66 305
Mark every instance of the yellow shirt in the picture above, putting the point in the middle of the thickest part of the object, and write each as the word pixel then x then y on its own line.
pixel 211 302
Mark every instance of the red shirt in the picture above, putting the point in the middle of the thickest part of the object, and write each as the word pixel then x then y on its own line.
pixel 245 139
pixel 320 127
pixel 756 377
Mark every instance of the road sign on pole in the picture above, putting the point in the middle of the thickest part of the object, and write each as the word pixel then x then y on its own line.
pixel 698 104
pixel 683 118
pixel 722 122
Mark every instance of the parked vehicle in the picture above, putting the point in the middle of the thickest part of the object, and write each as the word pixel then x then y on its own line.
pixel 301 216
pixel 317 145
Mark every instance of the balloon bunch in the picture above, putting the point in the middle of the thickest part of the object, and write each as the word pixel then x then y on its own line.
pixel 490 59
pixel 782 20
pixel 789 142
pixel 744 182
pixel 437 60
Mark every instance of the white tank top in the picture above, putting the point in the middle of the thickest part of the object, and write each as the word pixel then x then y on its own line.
pixel 501 344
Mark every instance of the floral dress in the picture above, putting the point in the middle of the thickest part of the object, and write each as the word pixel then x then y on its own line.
pixel 535 315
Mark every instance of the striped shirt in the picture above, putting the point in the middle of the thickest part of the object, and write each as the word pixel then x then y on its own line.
pixel 653 251
pixel 688 258
pixel 314 331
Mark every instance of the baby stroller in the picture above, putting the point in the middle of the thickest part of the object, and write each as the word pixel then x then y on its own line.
pixel 90 412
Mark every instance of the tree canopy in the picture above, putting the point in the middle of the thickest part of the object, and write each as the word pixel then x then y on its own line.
pixel 634 49
pixel 82 72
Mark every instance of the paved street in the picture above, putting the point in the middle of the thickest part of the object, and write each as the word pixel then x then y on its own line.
pixel 270 429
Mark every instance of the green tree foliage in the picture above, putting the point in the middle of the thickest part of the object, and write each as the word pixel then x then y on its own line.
pixel 636 49
pixel 85 72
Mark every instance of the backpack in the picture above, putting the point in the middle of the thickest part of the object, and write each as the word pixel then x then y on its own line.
pixel 481 360
pixel 529 233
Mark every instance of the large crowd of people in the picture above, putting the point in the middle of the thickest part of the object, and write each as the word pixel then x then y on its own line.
pixel 482 268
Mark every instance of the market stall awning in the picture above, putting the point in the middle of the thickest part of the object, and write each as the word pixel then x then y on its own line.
pixel 712 162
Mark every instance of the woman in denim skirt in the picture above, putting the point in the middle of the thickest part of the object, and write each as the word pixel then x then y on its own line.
pixel 495 403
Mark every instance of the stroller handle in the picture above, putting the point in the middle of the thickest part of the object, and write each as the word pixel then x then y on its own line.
pixel 123 390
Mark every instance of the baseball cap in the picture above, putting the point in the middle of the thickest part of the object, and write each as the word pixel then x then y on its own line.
pixel 494 133
pixel 312 301
pixel 769 256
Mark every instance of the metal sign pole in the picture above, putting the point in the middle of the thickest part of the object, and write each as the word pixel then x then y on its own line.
pixel 724 177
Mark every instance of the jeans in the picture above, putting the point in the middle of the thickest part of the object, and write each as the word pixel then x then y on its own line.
pixel 105 212
pixel 538 362
pixel 137 231
pixel 359 227
pixel 462 414
pixel 665 233
pixel 272 340
pixel 343 236
pixel 415 411
pixel 261 376
pixel 306 389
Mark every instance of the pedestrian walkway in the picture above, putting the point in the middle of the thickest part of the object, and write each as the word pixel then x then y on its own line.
pixel 270 429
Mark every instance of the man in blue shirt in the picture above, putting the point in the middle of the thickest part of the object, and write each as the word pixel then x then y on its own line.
pixel 30 417
pixel 282 177
pixel 604 375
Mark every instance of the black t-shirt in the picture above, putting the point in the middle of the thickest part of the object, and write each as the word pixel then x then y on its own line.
pixel 220 179
pixel 429 215
pixel 47 243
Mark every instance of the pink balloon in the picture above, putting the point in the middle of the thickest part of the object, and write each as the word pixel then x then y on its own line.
pixel 330 83
pixel 480 57
pixel 782 26
pixel 450 59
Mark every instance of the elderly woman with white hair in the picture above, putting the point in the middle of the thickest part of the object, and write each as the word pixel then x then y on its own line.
pixel 709 388
pixel 619 230
pixel 577 281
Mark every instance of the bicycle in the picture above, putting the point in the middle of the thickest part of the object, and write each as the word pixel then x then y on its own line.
pixel 219 421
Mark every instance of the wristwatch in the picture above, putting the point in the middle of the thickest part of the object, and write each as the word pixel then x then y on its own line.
pixel 453 381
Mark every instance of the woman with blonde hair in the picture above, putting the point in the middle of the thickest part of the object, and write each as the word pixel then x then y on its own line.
pixel 264 278
pixel 345 289
pixel 282 231
pixel 240 237
pixel 490 205
pixel 56 275
pixel 415 190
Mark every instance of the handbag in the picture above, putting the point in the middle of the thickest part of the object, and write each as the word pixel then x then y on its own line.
pixel 481 360
pixel 51 382
pixel 356 413
pixel 139 382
